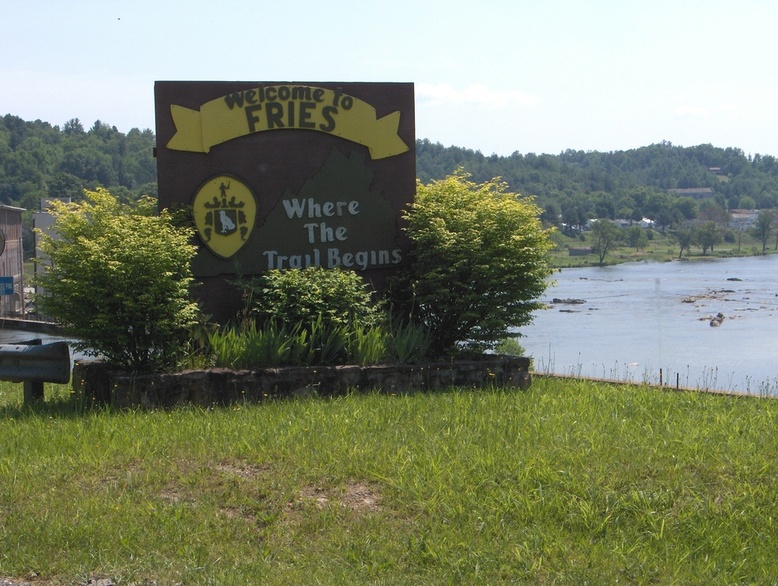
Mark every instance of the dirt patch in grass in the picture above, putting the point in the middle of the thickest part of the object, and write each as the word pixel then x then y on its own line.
pixel 357 496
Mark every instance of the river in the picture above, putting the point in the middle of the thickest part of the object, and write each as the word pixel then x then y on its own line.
pixel 642 321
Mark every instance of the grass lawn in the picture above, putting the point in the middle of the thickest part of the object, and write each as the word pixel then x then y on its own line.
pixel 661 248
pixel 569 482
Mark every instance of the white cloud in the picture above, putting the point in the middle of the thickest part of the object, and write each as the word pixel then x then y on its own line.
pixel 473 95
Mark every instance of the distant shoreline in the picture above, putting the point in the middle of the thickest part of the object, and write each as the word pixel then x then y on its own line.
pixel 614 261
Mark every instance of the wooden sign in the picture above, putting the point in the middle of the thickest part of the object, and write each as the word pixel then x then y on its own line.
pixel 287 175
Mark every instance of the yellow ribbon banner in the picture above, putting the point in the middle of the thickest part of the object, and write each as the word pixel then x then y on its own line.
pixel 277 107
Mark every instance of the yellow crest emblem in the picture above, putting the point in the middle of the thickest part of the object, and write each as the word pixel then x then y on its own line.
pixel 224 211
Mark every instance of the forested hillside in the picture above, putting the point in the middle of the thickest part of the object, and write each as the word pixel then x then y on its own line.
pixel 577 185
pixel 40 160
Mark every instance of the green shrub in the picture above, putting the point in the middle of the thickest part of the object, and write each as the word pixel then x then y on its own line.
pixel 306 332
pixel 319 316
pixel 303 296
pixel 510 347
pixel 119 280
pixel 479 263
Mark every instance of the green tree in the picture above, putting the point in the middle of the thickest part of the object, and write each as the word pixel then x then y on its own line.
pixel 687 207
pixel 607 236
pixel 603 206
pixel 573 216
pixel 478 265
pixel 763 227
pixel 684 235
pixel 746 202
pixel 89 164
pixel 119 280
pixel 73 127
pixel 636 237
pixel 38 160
pixel 707 236
pixel 64 185
pixel 551 214
pixel 710 211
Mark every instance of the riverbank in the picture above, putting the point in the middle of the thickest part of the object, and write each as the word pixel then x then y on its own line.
pixel 576 251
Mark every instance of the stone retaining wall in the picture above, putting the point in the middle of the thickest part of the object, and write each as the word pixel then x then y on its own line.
pixel 96 382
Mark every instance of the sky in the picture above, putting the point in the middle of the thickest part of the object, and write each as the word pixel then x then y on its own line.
pixel 498 76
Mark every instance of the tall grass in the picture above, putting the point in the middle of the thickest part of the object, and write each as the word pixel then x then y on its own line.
pixel 566 483
pixel 319 342
pixel 239 348
pixel 408 343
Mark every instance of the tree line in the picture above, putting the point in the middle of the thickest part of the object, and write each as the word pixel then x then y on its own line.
pixel 40 160
pixel 576 186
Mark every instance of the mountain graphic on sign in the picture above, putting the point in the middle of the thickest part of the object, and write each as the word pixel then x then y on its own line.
pixel 335 216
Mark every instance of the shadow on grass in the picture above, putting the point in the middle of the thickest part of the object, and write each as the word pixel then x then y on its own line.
pixel 60 402
pixel 64 404
pixel 56 408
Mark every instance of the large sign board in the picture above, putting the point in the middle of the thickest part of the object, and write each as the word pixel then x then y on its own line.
pixel 286 175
